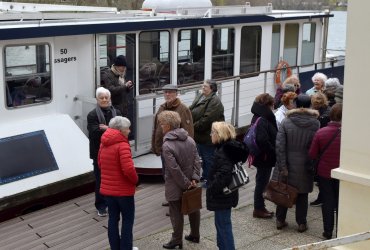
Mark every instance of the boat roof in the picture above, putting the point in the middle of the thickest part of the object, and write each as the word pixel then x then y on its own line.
pixel 45 22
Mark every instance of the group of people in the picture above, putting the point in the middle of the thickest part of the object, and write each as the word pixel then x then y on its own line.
pixel 304 129
pixel 197 146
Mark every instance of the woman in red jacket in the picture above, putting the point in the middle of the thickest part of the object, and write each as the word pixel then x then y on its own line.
pixel 118 181
pixel 329 138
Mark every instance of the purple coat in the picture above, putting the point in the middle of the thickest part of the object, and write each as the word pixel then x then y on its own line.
pixel 182 163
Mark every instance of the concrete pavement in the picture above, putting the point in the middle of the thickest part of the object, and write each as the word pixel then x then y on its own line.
pixel 249 232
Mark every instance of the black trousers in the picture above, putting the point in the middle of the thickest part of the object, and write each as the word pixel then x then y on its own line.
pixel 100 202
pixel 330 195
pixel 301 207
pixel 262 179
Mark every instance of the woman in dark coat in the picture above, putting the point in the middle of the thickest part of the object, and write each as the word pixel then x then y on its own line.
pixel 319 102
pixel 206 109
pixel 292 144
pixel 328 138
pixel 228 152
pixel 265 138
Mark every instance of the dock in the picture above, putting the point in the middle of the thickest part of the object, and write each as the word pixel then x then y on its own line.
pixel 75 224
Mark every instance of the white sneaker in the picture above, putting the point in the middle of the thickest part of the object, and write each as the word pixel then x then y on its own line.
pixel 135 248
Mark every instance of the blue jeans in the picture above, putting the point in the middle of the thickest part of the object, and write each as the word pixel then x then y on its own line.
pixel 100 203
pixel 225 238
pixel 262 178
pixel 207 153
pixel 120 206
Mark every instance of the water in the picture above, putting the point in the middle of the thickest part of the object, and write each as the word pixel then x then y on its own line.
pixel 337 33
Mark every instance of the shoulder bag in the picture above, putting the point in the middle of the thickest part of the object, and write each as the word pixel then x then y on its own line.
pixel 239 178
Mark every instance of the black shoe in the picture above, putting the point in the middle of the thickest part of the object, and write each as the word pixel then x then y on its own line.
pixel 171 245
pixel 302 228
pixel 281 224
pixel 316 203
pixel 327 235
pixel 192 238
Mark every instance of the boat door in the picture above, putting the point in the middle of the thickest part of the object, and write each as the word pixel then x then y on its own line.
pixel 109 46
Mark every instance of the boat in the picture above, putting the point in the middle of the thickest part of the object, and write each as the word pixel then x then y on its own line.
pixel 53 57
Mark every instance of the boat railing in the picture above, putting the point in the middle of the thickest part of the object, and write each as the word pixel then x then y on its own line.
pixel 340 241
pixel 237 94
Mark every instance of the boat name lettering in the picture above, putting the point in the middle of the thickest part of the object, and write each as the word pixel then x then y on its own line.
pixel 65 59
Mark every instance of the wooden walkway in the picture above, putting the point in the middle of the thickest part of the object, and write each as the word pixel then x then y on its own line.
pixel 75 225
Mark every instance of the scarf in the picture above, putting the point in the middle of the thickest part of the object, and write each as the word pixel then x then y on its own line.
pixel 100 114
pixel 121 76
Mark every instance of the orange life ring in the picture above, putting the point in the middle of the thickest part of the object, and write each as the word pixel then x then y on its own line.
pixel 282 70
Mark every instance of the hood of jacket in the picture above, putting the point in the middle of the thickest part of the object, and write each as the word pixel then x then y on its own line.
pixel 263 111
pixel 177 134
pixel 303 117
pixel 112 136
pixel 235 150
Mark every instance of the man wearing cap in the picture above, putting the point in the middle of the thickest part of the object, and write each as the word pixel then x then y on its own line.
pixel 114 80
pixel 172 103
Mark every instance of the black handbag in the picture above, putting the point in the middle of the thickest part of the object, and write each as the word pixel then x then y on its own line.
pixel 239 178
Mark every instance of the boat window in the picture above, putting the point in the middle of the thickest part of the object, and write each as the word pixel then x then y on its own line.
pixel 113 45
pixel 154 60
pixel 190 56
pixel 308 43
pixel 291 43
pixel 250 51
pixel 27 75
pixel 223 53
pixel 275 45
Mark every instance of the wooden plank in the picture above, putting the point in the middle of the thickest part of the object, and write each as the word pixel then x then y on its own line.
pixel 53 226
pixel 18 241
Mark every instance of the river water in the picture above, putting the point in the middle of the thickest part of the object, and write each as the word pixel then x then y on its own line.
pixel 337 33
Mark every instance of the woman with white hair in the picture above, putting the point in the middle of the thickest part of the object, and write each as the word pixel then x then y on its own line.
pixel 97 123
pixel 318 80
pixel 331 86
pixel 118 181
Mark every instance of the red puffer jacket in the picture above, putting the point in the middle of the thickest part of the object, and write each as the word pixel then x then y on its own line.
pixel 330 159
pixel 118 174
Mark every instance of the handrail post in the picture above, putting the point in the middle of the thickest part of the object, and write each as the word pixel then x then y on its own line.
pixel 265 83
pixel 236 101
pixel 136 123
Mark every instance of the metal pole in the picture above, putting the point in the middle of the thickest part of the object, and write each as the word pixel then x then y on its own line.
pixel 236 102
pixel 325 37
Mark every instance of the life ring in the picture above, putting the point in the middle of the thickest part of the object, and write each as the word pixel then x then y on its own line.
pixel 282 72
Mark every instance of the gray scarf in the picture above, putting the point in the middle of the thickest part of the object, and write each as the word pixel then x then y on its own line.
pixel 100 114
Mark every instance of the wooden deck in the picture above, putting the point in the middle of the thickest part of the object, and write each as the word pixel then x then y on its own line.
pixel 75 225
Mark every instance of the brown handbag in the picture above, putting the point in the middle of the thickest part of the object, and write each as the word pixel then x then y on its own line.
pixel 191 200
pixel 280 193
